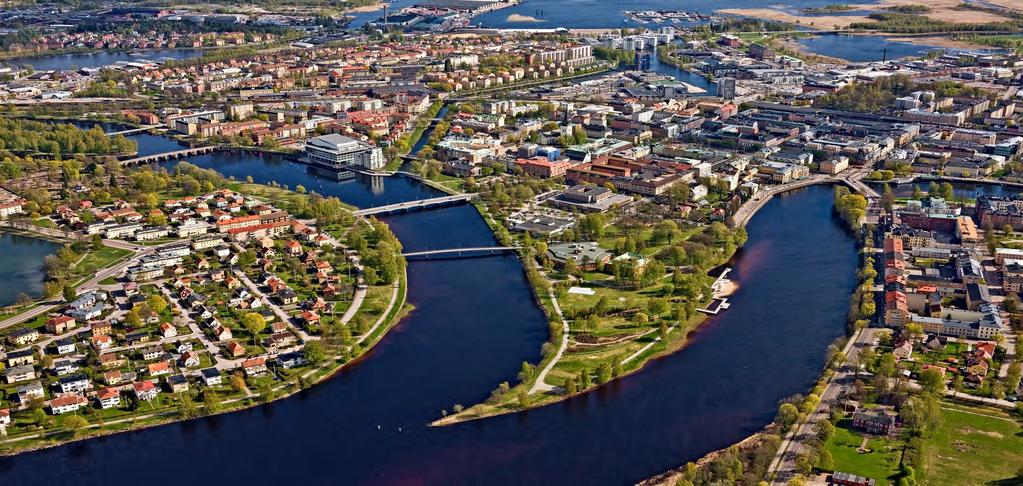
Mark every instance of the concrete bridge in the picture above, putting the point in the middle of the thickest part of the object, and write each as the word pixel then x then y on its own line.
pixel 459 252
pixel 416 205
pixel 148 159
pixel 852 178
pixel 132 131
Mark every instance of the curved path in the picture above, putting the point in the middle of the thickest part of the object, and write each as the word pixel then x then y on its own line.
pixel 540 385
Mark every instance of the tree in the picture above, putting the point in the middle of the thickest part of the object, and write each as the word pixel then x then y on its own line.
pixel 570 268
pixel 77 424
pixel 246 258
pixel 23 300
pixel 211 401
pixel 157 304
pixel 917 193
pixel 604 373
pixel 887 197
pixel 255 323
pixel 932 380
pixel 69 293
pixel 237 383
pixel 957 384
pixel 187 408
pixel 1013 375
pixel 788 414
pixel 314 352
pixel 132 319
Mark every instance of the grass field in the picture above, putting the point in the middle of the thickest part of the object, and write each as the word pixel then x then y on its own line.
pixel 974 447
pixel 881 463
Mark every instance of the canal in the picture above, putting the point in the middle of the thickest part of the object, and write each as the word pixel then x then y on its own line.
pixel 474 323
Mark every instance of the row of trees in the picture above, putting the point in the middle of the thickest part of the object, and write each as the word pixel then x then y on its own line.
pixel 56 139
pixel 851 207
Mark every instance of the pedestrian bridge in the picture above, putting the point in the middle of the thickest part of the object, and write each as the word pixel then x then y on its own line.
pixel 416 205
pixel 461 252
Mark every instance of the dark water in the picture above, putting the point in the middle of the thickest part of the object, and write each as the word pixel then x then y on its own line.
pixel 474 323
pixel 682 75
pixel 970 191
pixel 363 191
pixel 861 48
pixel 425 138
pixel 21 259
pixel 60 62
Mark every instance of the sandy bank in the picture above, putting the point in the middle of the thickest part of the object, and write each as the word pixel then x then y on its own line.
pixel 523 18
pixel 943 10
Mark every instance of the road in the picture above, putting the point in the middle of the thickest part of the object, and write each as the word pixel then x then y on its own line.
pixel 69 235
pixel 793 445
pixel 91 284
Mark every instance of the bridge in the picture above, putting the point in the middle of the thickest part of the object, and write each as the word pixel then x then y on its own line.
pixel 852 178
pixel 132 131
pixel 149 159
pixel 416 205
pixel 458 252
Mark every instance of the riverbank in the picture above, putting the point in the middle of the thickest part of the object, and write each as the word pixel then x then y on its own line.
pixel 396 309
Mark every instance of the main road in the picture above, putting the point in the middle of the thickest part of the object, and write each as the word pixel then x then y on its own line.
pixel 794 444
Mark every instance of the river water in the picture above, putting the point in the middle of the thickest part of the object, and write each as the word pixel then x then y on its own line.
pixel 60 62
pixel 474 322
pixel 21 259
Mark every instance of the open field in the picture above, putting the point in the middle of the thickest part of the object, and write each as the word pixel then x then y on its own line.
pixel 974 446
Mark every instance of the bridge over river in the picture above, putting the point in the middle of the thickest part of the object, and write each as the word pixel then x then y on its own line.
pixel 416 205
pixel 148 159
pixel 461 252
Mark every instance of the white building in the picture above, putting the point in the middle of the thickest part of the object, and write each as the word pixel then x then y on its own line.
pixel 336 152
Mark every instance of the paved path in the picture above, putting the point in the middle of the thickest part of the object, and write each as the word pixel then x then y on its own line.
pixel 360 295
pixel 540 385
pixel 383 317
pixel 645 348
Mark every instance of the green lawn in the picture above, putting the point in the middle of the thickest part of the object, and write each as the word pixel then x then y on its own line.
pixel 880 464
pixel 98 259
pixel 971 449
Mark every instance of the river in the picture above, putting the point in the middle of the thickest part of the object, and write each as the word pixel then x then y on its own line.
pixel 60 62
pixel 474 322
pixel 21 258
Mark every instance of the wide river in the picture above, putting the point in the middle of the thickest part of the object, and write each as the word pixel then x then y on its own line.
pixel 474 323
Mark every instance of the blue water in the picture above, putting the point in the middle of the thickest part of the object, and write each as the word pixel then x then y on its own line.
pixel 103 58
pixel 21 259
pixel 861 48
pixel 682 75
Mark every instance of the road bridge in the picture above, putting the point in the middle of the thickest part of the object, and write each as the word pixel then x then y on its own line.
pixel 149 159
pixel 132 131
pixel 416 205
